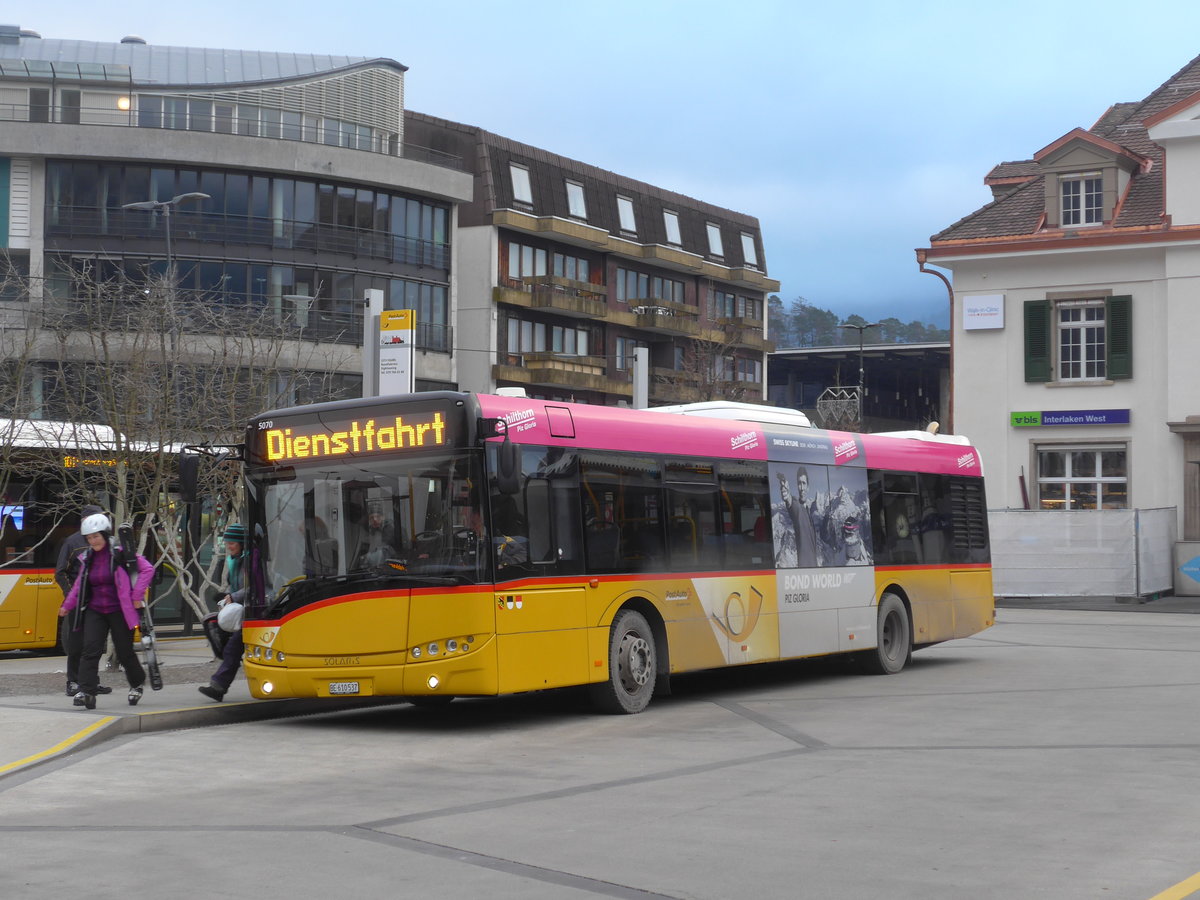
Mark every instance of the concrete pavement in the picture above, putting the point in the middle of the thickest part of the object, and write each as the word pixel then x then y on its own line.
pixel 38 722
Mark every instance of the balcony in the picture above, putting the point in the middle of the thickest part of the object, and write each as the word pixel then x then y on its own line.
pixel 228 229
pixel 745 332
pixel 578 299
pixel 661 317
pixel 568 230
pixel 587 373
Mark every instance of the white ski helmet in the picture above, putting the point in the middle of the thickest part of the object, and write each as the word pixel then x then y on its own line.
pixel 97 522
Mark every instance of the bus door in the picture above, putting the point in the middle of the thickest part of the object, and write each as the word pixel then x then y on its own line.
pixel 329 513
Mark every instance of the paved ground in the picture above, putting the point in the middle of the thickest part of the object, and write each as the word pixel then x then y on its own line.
pixel 38 722
pixel 1051 756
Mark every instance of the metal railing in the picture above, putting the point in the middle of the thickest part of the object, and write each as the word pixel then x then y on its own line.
pixel 227 315
pixel 225 228
pixel 232 125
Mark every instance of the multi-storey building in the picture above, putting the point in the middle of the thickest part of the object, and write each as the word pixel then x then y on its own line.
pixel 311 192
pixel 1076 296
pixel 565 270
pixel 316 186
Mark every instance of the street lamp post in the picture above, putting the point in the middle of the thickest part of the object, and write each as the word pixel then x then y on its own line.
pixel 165 207
pixel 861 381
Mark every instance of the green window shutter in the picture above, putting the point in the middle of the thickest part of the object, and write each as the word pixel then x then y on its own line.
pixel 1037 340
pixel 1118 327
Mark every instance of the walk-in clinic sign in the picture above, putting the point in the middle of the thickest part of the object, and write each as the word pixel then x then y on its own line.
pixel 397 334
pixel 983 311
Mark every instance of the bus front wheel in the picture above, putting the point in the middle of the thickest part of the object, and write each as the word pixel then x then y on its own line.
pixel 632 666
pixel 895 638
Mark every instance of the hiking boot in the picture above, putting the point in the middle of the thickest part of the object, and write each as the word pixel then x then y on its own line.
pixel 102 689
pixel 212 691
pixel 86 700
pixel 72 688
pixel 135 694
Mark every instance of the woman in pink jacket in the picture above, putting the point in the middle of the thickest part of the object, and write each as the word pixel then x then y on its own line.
pixel 108 604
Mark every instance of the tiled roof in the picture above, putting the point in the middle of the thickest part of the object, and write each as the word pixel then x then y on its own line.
pixel 1026 168
pixel 1019 212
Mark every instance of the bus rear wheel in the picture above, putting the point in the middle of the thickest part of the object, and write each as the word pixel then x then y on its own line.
pixel 632 666
pixel 895 638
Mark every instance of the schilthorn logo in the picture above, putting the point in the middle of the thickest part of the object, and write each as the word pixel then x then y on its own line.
pixel 966 461
pixel 845 450
pixel 744 441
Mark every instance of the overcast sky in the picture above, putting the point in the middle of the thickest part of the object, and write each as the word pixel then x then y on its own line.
pixel 853 131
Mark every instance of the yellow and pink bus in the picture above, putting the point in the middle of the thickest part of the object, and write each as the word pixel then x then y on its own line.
pixel 446 544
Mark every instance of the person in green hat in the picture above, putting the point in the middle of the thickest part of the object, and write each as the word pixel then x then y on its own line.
pixel 236 564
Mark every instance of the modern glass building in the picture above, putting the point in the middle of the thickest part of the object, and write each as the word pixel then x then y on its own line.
pixel 311 194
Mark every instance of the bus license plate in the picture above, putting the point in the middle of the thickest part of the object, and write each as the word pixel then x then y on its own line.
pixel 343 687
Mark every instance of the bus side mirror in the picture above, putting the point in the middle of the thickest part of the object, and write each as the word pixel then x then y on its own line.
pixel 508 456
pixel 189 476
pixel 508 467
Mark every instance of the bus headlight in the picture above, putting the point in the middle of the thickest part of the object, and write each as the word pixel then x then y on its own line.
pixel 433 682
pixel 267 687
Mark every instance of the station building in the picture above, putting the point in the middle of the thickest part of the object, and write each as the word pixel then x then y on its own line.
pixel 1076 301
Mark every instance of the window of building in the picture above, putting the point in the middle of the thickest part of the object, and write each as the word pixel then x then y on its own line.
pixel 569 341
pixel 525 261
pixel 522 189
pixel 225 117
pixel 1082 477
pixel 671 222
pixel 14 276
pixel 525 336
pixel 714 240
pixel 749 251
pixel 1081 344
pixel 747 369
pixel 1078 340
pixel 1082 200
pixel 724 305
pixel 636 286
pixel 625 214
pixel 69 114
pixel 576 202
pixel 573 267
pixel 39 104
pixel 627 352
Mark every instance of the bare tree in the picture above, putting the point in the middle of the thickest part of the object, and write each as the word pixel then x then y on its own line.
pixel 156 369
pixel 709 366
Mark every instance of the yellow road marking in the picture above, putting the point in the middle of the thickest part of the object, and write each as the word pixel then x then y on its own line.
pixel 1181 890
pixel 61 745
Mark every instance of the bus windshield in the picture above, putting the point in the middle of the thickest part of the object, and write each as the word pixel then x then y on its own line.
pixel 413 518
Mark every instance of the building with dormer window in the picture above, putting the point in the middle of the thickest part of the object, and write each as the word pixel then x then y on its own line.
pixel 566 270
pixel 1076 306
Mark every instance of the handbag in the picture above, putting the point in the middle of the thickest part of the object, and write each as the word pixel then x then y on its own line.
pixel 217 637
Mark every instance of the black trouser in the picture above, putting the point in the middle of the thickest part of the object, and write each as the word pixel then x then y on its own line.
pixel 72 642
pixel 231 659
pixel 96 628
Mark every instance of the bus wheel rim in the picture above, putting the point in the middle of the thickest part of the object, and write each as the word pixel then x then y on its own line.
pixel 634 661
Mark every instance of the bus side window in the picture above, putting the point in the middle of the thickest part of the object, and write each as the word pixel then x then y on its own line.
pixel 745 514
pixel 536 530
pixel 933 525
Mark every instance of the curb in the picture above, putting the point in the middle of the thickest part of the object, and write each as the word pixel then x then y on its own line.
pixel 151 721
